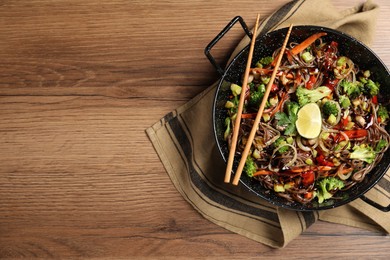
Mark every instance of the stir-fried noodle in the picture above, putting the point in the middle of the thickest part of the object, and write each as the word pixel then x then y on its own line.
pixel 352 139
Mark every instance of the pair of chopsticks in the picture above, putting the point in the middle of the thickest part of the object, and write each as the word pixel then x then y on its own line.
pixel 259 112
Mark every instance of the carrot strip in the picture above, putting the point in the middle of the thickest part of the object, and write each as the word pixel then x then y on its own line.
pixel 289 56
pixel 290 76
pixel 306 43
pixel 273 63
pixel 249 115
pixel 346 170
pixel 324 168
pixel 308 195
pixel 261 71
pixel 262 172
pixel 300 169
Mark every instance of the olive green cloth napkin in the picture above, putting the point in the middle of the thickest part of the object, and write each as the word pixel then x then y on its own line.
pixel 185 143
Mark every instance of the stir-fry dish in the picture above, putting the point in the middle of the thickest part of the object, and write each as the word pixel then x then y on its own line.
pixel 323 128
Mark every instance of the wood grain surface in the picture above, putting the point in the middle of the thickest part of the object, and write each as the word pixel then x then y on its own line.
pixel 80 81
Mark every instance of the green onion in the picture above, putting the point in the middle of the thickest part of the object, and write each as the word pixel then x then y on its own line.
pixel 236 89
pixel 279 188
pixel 341 61
pixel 307 57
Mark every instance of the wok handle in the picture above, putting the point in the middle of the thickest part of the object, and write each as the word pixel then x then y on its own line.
pixel 219 36
pixel 375 205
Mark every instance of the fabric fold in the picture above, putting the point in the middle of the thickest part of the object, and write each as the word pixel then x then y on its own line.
pixel 185 143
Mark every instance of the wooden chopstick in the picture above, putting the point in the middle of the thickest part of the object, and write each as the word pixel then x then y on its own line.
pixel 237 122
pixel 260 111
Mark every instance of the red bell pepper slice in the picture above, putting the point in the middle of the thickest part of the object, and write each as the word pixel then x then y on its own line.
pixel 321 161
pixel 311 82
pixel 307 178
pixel 344 121
pixel 375 100
pixel 353 134
pixel 274 88
pixel 332 83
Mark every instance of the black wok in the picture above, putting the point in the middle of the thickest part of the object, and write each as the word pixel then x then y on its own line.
pixel 265 45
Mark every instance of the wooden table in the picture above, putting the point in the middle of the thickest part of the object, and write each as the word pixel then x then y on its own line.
pixel 80 81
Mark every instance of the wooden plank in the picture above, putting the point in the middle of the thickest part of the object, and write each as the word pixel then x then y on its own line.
pixel 80 81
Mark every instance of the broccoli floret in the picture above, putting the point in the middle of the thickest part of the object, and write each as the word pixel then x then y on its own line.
pixel 371 88
pixel 281 142
pixel 255 99
pixel 250 166
pixel 382 113
pixel 327 187
pixel 306 96
pixel 264 61
pixel 330 108
pixel 352 89
pixel 261 88
pixel 292 108
pixel 256 96
pixel 344 101
pixel 363 152
pixel 381 145
pixel 363 80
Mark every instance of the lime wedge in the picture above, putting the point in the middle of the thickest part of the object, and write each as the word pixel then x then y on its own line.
pixel 309 121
